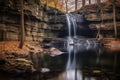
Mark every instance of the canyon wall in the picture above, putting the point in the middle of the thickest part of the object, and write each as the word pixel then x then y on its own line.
pixel 100 17
pixel 38 21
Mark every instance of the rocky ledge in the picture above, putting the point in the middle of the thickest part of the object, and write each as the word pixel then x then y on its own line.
pixel 14 59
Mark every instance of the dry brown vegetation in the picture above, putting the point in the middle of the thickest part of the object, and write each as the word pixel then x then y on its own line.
pixel 13 47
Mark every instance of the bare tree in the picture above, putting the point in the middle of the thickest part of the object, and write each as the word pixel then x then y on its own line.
pixel 22 26
pixel 66 3
pixel 76 4
pixel 100 9
pixel 89 1
pixel 114 17
pixel 83 2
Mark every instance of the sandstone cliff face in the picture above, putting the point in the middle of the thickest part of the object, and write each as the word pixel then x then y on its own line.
pixel 101 16
pixel 37 25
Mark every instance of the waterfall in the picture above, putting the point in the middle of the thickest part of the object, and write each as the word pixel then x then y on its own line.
pixel 72 20
pixel 71 34
pixel 72 25
pixel 74 46
pixel 71 67
pixel 69 25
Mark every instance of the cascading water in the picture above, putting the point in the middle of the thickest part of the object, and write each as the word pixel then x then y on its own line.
pixel 72 20
pixel 72 73
pixel 75 45
pixel 72 27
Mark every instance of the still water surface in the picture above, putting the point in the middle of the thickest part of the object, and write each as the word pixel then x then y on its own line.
pixel 80 62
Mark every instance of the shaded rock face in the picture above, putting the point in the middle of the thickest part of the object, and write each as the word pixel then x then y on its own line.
pixel 11 63
pixel 37 21
pixel 16 60
pixel 101 17
pixel 17 66
pixel 37 27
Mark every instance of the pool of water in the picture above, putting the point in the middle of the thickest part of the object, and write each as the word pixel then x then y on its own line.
pixel 80 62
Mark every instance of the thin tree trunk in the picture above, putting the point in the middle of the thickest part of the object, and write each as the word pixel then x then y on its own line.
pixel 66 1
pixel 101 12
pixel 83 2
pixel 22 26
pixel 114 19
pixel 46 4
pixel 76 5
pixel 89 1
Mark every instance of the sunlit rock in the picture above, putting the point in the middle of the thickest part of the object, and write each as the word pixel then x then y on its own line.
pixel 113 45
pixel 55 52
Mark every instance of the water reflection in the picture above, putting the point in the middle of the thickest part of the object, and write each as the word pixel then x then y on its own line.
pixel 81 45
pixel 84 62
pixel 73 67
pixel 69 75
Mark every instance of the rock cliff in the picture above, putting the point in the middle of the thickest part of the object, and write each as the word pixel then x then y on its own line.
pixel 100 16
pixel 37 21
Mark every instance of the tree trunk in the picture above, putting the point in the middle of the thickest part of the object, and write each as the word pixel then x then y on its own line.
pixel 66 1
pixel 22 26
pixel 89 1
pixel 114 19
pixel 46 4
pixel 83 2
pixel 75 5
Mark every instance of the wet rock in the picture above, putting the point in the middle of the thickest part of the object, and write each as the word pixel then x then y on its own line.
pixel 44 70
pixel 48 45
pixel 55 52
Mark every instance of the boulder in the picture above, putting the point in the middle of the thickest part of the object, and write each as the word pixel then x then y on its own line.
pixel 44 70
pixel 55 51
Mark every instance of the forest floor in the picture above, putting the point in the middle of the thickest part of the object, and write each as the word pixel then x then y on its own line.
pixel 13 47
